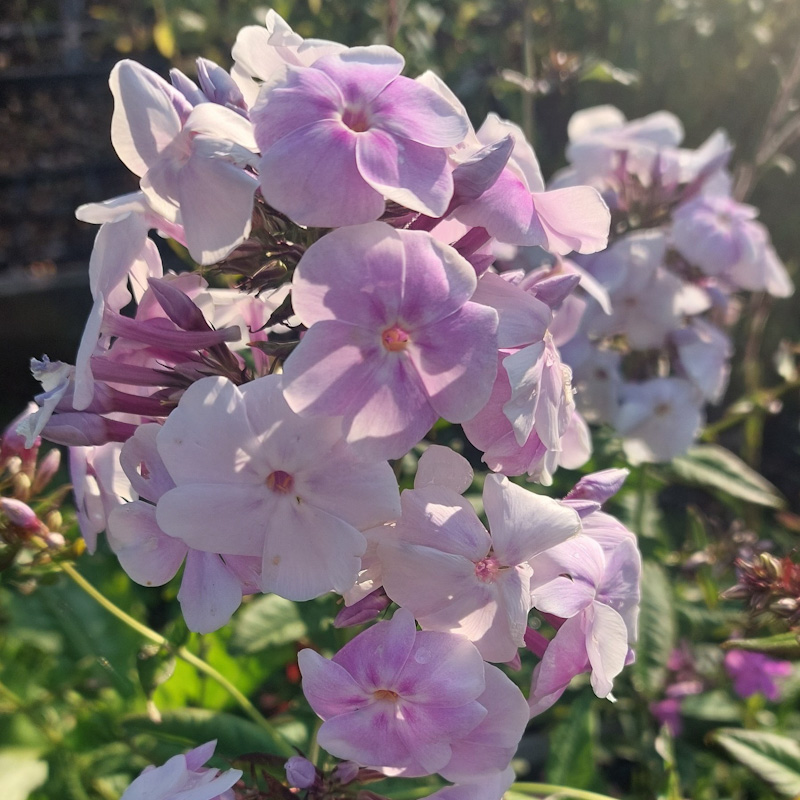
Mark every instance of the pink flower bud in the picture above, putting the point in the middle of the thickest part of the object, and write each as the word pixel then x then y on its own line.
pixel 20 514
pixel 300 772
pixel 46 469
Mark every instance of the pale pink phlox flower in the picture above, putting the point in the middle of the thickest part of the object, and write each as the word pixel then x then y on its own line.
pixel 261 52
pixel 343 135
pixel 596 378
pixel 299 495
pixel 518 210
pixel 453 575
pixel 183 777
pixel 658 419
pixel 394 341
pixel 212 584
pixel 412 703
pixel 187 158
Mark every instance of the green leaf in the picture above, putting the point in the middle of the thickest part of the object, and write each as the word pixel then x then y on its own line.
pixel 22 772
pixel 155 665
pixel 657 630
pixel 713 466
pixel 571 757
pixel 774 758
pixel 268 621
pixel 192 726
pixel 786 645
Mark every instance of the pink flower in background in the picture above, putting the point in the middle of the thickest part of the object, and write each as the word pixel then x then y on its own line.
pixel 754 672
pixel 339 137
pixel 394 341
pixel 184 777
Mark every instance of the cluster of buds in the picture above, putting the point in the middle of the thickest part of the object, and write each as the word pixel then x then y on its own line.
pixel 26 512
pixel 769 585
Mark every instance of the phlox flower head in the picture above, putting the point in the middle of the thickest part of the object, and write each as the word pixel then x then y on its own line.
pixel 340 136
pixel 394 341
pixel 754 672
pixel 184 777
pixel 254 479
pixel 443 566
pixel 412 703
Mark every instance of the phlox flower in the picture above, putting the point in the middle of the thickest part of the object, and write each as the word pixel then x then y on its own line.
pixel 394 341
pixel 658 419
pixel 412 703
pixel 517 210
pixel 343 134
pixel 186 157
pixel 184 777
pixel 298 495
pixel 453 575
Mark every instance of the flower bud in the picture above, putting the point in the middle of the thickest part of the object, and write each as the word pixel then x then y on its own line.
pixel 365 610
pixel 53 520
pixel 21 486
pixel 46 469
pixel 19 514
pixel 345 772
pixel 300 772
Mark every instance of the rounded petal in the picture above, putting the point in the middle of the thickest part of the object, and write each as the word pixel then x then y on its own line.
pixel 209 592
pixel 575 218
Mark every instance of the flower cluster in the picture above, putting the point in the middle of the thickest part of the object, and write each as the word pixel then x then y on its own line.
pixel 245 435
pixel 650 348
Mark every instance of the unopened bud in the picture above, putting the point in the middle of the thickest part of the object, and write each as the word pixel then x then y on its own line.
pixel 20 514
pixel 785 606
pixel 300 772
pixel 21 486
pixel 46 469
pixel 362 611
pixel 345 772
pixel 53 520
pixel 14 465
pixel 770 565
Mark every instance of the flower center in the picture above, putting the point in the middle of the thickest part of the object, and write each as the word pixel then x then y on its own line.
pixel 662 409
pixel 394 339
pixel 487 569
pixel 280 482
pixel 356 119
pixel 386 694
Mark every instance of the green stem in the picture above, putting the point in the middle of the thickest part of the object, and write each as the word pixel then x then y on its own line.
pixel 641 501
pixel 182 653
pixel 549 789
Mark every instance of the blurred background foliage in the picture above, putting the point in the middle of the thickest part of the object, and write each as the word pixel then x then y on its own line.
pixel 81 695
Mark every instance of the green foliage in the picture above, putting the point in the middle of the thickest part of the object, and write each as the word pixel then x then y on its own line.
pixel 571 759
pixel 774 758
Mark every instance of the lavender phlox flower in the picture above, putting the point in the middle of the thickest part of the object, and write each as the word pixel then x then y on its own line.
pixel 261 52
pixel 183 777
pixel 339 137
pixel 413 703
pixel 453 575
pixel 516 209
pixel 596 378
pixel 185 158
pixel 704 353
pixel 721 237
pixel 752 673
pixel 299 494
pixel 658 419
pixel 394 341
